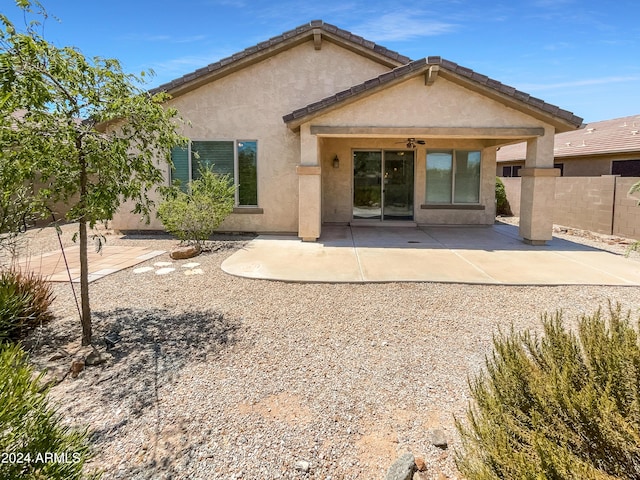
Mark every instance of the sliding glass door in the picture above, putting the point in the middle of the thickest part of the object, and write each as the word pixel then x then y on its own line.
pixel 383 185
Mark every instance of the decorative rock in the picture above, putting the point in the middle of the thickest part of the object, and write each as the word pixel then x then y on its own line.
pixel 52 377
pixel 420 465
pixel 403 468
pixel 302 466
pixel 94 358
pixel 76 367
pixel 59 355
pixel 421 476
pixel 438 439
pixel 185 251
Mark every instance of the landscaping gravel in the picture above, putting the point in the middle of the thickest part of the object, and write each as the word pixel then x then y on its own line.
pixel 214 376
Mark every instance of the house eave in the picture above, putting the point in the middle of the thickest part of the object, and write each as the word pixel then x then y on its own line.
pixel 433 68
pixel 264 50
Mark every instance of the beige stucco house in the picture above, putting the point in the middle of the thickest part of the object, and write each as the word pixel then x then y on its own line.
pixel 319 126
pixel 607 147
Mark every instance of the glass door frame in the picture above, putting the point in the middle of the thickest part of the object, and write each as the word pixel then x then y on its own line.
pixel 382 152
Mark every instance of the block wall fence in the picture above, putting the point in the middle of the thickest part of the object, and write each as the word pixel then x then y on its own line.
pixel 599 204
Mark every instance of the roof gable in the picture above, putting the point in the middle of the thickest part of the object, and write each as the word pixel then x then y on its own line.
pixel 316 30
pixel 563 120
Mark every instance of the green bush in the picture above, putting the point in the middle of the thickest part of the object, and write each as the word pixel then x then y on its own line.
pixel 502 204
pixel 34 442
pixel 25 299
pixel 562 406
pixel 194 215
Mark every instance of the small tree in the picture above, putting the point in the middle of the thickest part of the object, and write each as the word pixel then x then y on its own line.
pixel 194 215
pixel 562 406
pixel 502 204
pixel 90 134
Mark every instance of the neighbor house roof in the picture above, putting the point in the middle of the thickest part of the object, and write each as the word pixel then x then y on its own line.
pixel 317 30
pixel 434 66
pixel 619 135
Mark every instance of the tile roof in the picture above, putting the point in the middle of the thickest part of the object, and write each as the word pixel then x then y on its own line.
pixel 419 66
pixel 618 135
pixel 298 33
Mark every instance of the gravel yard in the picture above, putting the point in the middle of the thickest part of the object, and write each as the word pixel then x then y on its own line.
pixel 222 377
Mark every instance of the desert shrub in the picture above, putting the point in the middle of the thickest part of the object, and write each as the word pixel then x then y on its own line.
pixel 32 432
pixel 566 405
pixel 502 204
pixel 25 299
pixel 194 215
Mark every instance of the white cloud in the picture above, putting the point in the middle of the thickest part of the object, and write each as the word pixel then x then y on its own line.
pixel 147 37
pixel 398 26
pixel 577 83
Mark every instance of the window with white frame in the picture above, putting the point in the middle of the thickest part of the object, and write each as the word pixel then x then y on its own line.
pixel 236 158
pixel 453 177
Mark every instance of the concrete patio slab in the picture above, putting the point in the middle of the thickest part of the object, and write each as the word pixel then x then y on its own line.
pixel 476 255
pixel 112 258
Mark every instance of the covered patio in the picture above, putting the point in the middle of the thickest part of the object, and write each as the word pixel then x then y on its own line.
pixel 492 255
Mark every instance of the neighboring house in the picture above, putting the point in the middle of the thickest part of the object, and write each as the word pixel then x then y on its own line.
pixel 609 147
pixel 320 126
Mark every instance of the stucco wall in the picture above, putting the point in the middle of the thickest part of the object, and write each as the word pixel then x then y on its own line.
pixel 411 103
pixel 337 183
pixel 592 166
pixel 249 104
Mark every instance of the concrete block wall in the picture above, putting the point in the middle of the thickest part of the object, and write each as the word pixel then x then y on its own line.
pixel 512 187
pixel 599 204
pixel 626 217
pixel 585 203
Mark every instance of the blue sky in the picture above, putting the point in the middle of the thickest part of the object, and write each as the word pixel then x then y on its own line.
pixel 582 55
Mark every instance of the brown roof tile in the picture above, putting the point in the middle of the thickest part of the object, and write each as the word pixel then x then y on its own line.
pixel 596 138
pixel 280 39
pixel 421 64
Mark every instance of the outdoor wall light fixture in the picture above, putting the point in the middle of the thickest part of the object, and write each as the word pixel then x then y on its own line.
pixel 336 162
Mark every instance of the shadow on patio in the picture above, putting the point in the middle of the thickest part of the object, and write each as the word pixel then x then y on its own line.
pixel 478 255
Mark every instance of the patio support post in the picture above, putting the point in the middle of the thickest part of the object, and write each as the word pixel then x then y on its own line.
pixel 538 190
pixel 309 184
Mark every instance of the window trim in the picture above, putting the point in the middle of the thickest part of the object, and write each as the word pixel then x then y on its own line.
pixel 452 202
pixel 236 172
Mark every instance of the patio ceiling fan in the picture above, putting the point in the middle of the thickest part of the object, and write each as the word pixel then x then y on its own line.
pixel 412 142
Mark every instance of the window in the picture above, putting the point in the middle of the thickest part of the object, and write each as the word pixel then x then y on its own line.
pixel 453 176
pixel 559 166
pixel 626 168
pixel 513 171
pixel 238 159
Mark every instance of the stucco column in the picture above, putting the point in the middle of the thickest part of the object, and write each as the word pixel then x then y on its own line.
pixel 538 190
pixel 309 187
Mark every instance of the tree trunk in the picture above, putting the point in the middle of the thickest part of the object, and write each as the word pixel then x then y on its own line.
pixel 84 285
pixel 84 261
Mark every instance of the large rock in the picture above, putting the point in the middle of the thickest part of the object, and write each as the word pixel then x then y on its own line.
pixel 438 439
pixel 185 251
pixel 403 468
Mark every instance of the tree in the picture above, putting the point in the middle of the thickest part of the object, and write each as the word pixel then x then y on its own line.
pixel 90 133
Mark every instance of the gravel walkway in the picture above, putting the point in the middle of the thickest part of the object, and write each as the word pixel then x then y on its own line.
pixel 216 376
